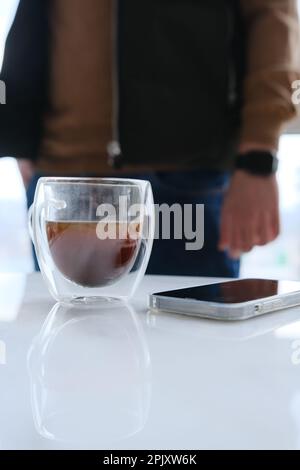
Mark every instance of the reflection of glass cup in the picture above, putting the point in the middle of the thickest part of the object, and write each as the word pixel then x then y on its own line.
pixel 90 376
pixel 93 237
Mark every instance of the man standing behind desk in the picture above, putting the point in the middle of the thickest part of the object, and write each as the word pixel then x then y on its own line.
pixel 195 93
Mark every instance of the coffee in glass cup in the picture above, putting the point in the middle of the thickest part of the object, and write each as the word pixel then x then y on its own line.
pixel 93 236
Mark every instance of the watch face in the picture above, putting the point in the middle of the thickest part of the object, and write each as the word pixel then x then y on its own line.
pixel 258 163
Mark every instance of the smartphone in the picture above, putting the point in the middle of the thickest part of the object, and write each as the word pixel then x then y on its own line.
pixel 230 300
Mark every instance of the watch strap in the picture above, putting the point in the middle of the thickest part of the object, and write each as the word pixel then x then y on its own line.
pixel 260 163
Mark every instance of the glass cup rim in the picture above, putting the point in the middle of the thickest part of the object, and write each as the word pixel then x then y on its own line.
pixel 100 181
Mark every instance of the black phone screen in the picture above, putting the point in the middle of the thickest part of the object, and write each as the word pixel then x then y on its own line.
pixel 232 292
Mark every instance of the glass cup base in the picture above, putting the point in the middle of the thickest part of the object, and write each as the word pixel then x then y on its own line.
pixel 95 301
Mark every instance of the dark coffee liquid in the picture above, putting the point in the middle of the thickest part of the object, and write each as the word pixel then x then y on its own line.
pixel 87 260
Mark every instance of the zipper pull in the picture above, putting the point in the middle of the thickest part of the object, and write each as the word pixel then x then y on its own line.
pixel 115 157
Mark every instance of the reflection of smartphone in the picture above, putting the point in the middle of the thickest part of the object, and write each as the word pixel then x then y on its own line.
pixel 231 300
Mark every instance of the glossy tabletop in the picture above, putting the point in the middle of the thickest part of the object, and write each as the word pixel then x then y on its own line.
pixel 121 377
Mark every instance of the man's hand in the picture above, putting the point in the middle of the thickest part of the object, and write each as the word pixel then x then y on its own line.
pixel 250 214
pixel 27 171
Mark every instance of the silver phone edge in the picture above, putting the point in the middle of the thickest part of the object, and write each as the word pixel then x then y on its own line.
pixel 228 312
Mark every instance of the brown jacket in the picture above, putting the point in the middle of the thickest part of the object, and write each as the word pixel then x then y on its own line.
pixel 79 125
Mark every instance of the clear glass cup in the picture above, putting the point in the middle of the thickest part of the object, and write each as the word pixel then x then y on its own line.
pixel 93 236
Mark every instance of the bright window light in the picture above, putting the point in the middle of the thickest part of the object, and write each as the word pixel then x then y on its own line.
pixel 8 10
pixel 11 186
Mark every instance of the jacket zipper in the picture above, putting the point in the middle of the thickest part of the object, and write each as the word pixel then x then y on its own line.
pixel 114 149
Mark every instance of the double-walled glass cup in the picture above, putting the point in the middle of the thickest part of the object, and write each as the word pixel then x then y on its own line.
pixel 93 236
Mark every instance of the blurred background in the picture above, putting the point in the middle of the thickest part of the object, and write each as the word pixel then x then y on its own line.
pixel 281 259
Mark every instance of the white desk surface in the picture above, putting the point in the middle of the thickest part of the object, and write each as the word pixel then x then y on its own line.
pixel 124 378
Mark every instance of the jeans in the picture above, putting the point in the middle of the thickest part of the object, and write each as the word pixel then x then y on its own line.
pixel 169 257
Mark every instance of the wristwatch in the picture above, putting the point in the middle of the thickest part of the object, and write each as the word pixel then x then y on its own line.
pixel 257 162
